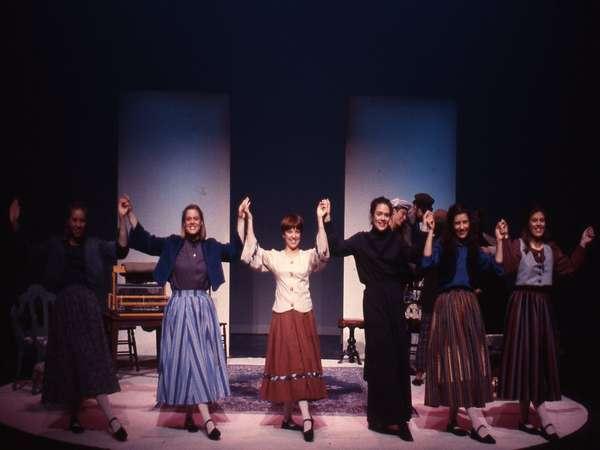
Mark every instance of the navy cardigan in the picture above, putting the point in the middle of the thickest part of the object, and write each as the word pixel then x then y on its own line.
pixel 167 249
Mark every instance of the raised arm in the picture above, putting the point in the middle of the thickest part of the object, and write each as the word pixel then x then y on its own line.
pixel 243 209
pixel 499 232
pixel 231 252
pixel 565 265
pixel 252 253
pixel 337 247
pixel 428 260
pixel 321 254
pixel 119 249
pixel 14 213
pixel 123 208
pixel 140 239
pixel 511 248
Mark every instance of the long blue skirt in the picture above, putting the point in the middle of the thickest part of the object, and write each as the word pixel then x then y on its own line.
pixel 192 366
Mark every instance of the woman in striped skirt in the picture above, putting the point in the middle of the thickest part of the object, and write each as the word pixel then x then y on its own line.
pixel 293 371
pixel 458 366
pixel 530 358
pixel 192 368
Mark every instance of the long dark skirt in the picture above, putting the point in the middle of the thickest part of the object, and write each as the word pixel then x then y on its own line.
pixel 78 360
pixel 387 369
pixel 529 361
pixel 293 368
pixel 458 364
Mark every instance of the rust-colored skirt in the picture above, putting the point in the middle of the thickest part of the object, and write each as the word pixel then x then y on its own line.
pixel 458 364
pixel 293 368
pixel 529 360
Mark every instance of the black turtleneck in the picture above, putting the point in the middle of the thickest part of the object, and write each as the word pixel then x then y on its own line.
pixel 379 255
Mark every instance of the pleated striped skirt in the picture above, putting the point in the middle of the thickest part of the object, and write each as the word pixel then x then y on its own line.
pixel 458 363
pixel 192 366
pixel 530 357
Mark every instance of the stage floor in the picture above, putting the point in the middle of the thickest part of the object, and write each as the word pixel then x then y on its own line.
pixel 152 428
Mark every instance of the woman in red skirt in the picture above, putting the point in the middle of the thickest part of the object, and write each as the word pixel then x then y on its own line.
pixel 530 359
pixel 293 371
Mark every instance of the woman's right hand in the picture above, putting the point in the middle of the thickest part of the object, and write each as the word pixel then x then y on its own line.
pixel 429 221
pixel 124 206
pixel 244 209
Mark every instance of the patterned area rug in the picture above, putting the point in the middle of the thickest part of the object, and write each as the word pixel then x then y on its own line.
pixel 346 392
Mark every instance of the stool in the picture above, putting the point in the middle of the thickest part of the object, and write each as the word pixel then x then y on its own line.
pixel 131 351
pixel 351 351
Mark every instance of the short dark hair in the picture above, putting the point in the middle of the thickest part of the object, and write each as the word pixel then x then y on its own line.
pixel 290 221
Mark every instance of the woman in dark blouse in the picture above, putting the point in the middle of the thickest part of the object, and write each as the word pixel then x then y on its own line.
pixel 529 370
pixel 192 368
pixel 382 258
pixel 458 366
pixel 78 361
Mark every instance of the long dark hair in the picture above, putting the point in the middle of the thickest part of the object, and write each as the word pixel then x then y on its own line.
pixel 449 242
pixel 526 234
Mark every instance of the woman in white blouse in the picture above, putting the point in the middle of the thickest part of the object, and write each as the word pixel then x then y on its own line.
pixel 293 371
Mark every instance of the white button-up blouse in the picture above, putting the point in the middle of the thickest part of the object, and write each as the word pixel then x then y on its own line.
pixel 291 271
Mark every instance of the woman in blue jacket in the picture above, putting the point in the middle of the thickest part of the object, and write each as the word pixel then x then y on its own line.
pixel 458 365
pixel 192 368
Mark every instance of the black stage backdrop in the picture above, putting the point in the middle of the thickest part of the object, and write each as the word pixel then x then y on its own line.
pixel 521 73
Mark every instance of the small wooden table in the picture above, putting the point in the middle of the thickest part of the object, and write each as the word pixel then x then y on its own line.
pixel 115 322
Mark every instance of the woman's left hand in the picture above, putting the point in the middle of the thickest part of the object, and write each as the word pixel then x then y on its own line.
pixel 322 209
pixel 587 236
pixel 501 230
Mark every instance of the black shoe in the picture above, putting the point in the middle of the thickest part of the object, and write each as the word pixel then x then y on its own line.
pixel 309 435
pixel 528 428
pixel 453 428
pixel 488 439
pixel 75 425
pixel 382 429
pixel 190 425
pixel 417 381
pixel 549 437
pixel 290 425
pixel 215 434
pixel 120 434
pixel 404 432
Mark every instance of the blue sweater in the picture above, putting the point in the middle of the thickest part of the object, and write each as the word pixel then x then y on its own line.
pixel 167 249
pixel 485 262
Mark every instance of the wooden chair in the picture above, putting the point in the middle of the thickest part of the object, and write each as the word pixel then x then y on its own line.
pixel 30 317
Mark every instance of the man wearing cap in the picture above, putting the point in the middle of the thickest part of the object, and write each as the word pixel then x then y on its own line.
pixel 400 213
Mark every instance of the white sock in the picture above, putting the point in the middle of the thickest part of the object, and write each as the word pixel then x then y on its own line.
pixel 545 418
pixel 477 420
